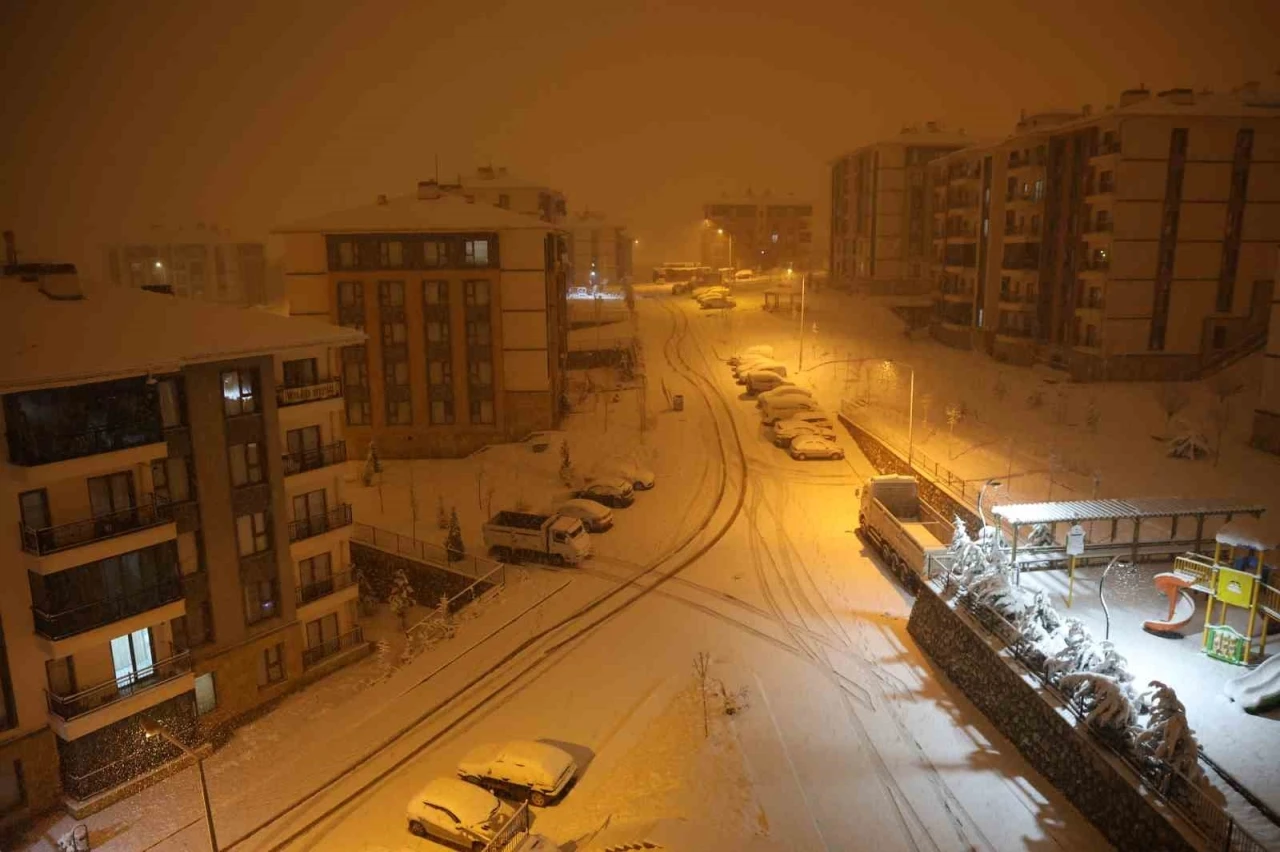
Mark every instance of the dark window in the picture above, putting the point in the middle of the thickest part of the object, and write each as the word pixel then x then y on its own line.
pixel 481 411
pixel 351 304
pixel 253 533
pixel 272 669
pixel 300 373
pixel 357 412
pixel 172 408
pixel 390 254
pixel 1230 264
pixel 240 392
pixel 478 333
pixel 1168 238
pixel 435 294
pixel 246 464
pixel 477 292
pixel 34 509
pixel 435 253
pixel 170 480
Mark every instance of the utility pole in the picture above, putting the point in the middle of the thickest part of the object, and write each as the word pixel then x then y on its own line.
pixel 803 276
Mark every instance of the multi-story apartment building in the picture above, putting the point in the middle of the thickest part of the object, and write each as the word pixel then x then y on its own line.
pixel 1135 243
pixel 175 525
pixel 203 263
pixel 757 232
pixel 882 225
pixel 464 304
pixel 1266 417
pixel 495 186
pixel 601 250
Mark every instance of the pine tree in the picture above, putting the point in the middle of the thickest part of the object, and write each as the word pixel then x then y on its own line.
pixel 453 540
pixel 401 599
pixel 566 464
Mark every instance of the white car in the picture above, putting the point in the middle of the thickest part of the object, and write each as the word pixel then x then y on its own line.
pixel 788 406
pixel 807 423
pixel 777 394
pixel 760 381
pixel 744 275
pixel 755 362
pixel 640 476
pixel 762 350
pixel 814 447
pixel 611 491
pixel 455 811
pixel 763 366
pixel 596 517
pixel 522 769
pixel 716 302
pixel 700 293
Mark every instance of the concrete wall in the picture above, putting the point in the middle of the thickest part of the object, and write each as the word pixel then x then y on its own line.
pixel 37 751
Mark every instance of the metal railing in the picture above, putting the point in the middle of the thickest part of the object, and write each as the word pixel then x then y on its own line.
pixel 330 647
pixel 45 540
pixel 68 707
pixel 317 524
pixel 422 551
pixel 1196 566
pixel 60 625
pixel 508 837
pixel 496 579
pixel 1269 600
pixel 297 394
pixel 304 460
pixel 308 592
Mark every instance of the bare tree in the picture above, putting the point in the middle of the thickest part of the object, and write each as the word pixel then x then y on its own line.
pixel 701 667
pixel 954 413
pixel 1172 397
pixel 1223 389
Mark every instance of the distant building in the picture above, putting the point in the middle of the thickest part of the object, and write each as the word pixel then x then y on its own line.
pixel 601 250
pixel 490 185
pixel 465 308
pixel 757 232
pixel 1266 418
pixel 202 263
pixel 881 212
pixel 177 528
pixel 1136 243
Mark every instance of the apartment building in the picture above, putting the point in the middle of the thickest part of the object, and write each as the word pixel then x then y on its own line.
pixel 601 250
pixel 175 522
pixel 882 223
pixel 497 187
pixel 465 308
pixel 1266 417
pixel 757 232
pixel 1135 243
pixel 204 263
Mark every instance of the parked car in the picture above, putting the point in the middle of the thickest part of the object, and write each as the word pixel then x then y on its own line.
pixel 521 769
pixel 763 350
pixel 596 517
pixel 815 447
pixel 611 491
pixel 765 367
pixel 640 476
pixel 717 303
pixel 780 393
pixel 759 381
pixel 754 363
pixel 787 406
pixel 804 423
pixel 700 293
pixel 453 810
pixel 744 275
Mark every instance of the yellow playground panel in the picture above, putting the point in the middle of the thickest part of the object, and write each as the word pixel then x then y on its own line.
pixel 1238 576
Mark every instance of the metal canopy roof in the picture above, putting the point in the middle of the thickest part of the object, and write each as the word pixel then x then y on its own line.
pixel 1018 514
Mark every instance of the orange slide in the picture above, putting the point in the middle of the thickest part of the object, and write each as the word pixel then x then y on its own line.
pixel 1182 607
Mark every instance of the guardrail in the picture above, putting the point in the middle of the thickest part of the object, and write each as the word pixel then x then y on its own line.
pixel 304 460
pixel 73 706
pixel 94 614
pixel 330 647
pixel 316 524
pixel 497 578
pixel 317 589
pixel 298 394
pixel 45 540
pixel 422 551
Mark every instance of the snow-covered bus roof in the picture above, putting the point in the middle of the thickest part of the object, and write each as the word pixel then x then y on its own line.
pixel 1019 514
pixel 1248 532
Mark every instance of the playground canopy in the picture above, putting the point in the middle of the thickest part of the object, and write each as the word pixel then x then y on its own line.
pixel 1248 532
pixel 1022 514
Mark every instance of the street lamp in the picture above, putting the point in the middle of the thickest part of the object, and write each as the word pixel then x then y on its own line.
pixel 994 483
pixel 152 729
pixel 729 237
pixel 911 410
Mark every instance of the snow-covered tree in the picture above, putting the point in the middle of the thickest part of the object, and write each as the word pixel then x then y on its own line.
pixel 368 600
pixel 453 543
pixel 954 414
pixel 1189 443
pixel 371 466
pixel 1106 702
pixel 401 598
pixel 1172 397
pixel 566 465
pixel 1167 737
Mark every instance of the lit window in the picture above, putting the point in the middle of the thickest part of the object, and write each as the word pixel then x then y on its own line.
pixel 441 411
pixel 477 252
pixel 481 411
pixel 239 392
pixel 246 464
pixel 477 293
pixel 251 533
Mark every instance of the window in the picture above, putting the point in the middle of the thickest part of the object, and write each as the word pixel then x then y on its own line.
pixel 478 333
pixel 355 369
pixel 170 481
pixel 252 534
pixel 357 412
pixel 240 392
pixel 441 411
pixel 477 252
pixel 272 668
pixel 504 201
pixel 435 293
pixel 316 572
pixel 480 373
pixel 435 253
pixel 390 254
pixel 346 254
pixel 34 509
pixel 300 373
pixel 322 631
pixel 259 601
pixel 246 464
pixel 8 715
pixel 399 412
pixel 477 292
pixel 206 694
pixel 391 294
pixel 481 411
pixel 13 789
pixel 438 331
pixel 394 333
pixel 351 304
pixel 170 395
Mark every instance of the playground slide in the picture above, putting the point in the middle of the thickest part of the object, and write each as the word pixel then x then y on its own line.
pixel 1257 690
pixel 1182 607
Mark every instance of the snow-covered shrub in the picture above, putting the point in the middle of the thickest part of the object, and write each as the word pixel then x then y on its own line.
pixel 1188 444
pixel 401 598
pixel 1107 702
pixel 453 544
pixel 1167 738
pixel 1041 536
pixel 567 474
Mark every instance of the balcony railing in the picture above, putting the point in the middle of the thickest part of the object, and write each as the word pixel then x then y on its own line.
pixel 68 707
pixel 33 446
pixel 1100 227
pixel 78 619
pixel 45 540
pixel 317 524
pixel 298 394
pixel 317 589
pixel 326 649
pixel 304 460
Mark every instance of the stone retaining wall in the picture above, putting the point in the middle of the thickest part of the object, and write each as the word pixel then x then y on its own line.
pixel 429 582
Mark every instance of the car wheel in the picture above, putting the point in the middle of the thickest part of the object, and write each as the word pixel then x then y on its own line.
pixel 800 456
pixel 557 560
pixel 537 798
pixel 838 456
pixel 478 846
pixel 417 829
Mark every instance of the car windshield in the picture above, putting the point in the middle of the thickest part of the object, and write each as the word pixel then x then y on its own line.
pixel 577 533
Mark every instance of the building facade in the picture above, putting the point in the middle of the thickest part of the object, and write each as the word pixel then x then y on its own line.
pixel 601 251
pixel 764 232
pixel 464 305
pixel 162 491
pixel 882 223
pixel 1266 417
pixel 202 263
pixel 497 187
pixel 1136 243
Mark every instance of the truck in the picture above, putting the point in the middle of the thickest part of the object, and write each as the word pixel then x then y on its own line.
pixel 889 519
pixel 557 539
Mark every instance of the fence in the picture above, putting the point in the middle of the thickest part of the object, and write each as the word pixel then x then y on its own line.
pixel 497 578
pixel 1189 799
pixel 508 838
pixel 423 551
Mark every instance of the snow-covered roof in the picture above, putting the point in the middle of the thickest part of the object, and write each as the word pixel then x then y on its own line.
pixel 408 213
pixel 1102 510
pixel 1248 532
pixel 468 802
pixel 115 332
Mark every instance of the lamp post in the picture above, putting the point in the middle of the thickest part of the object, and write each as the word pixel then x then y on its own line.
pixel 729 237
pixel 151 729
pixel 911 407
pixel 803 277
pixel 993 483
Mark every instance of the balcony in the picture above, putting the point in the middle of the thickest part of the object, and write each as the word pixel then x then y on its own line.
pixel 304 528
pixel 46 540
pixel 68 707
pixel 88 616
pixel 316 653
pixel 1101 226
pixel 287 395
pixel 33 446
pixel 304 460
pixel 1103 149
pixel 320 588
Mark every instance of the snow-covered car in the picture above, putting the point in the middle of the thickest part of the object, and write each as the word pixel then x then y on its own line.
pixel 522 769
pixel 640 476
pixel 815 447
pixel 753 363
pixel 763 366
pixel 596 517
pixel 806 423
pixel 788 406
pixel 744 275
pixel 762 350
pixel 452 810
pixel 716 303
pixel 700 293
pixel 779 393
pixel 759 381
pixel 680 287
pixel 611 491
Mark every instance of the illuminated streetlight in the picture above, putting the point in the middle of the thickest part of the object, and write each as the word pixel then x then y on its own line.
pixel 152 729
pixel 993 483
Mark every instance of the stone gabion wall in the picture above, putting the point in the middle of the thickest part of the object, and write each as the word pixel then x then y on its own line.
pixel 1096 785
pixel 428 583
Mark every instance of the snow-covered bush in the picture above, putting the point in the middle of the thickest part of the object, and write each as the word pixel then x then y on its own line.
pixel 1107 702
pixel 567 474
pixel 401 598
pixel 1167 738
pixel 1041 536
pixel 453 544
pixel 1188 444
